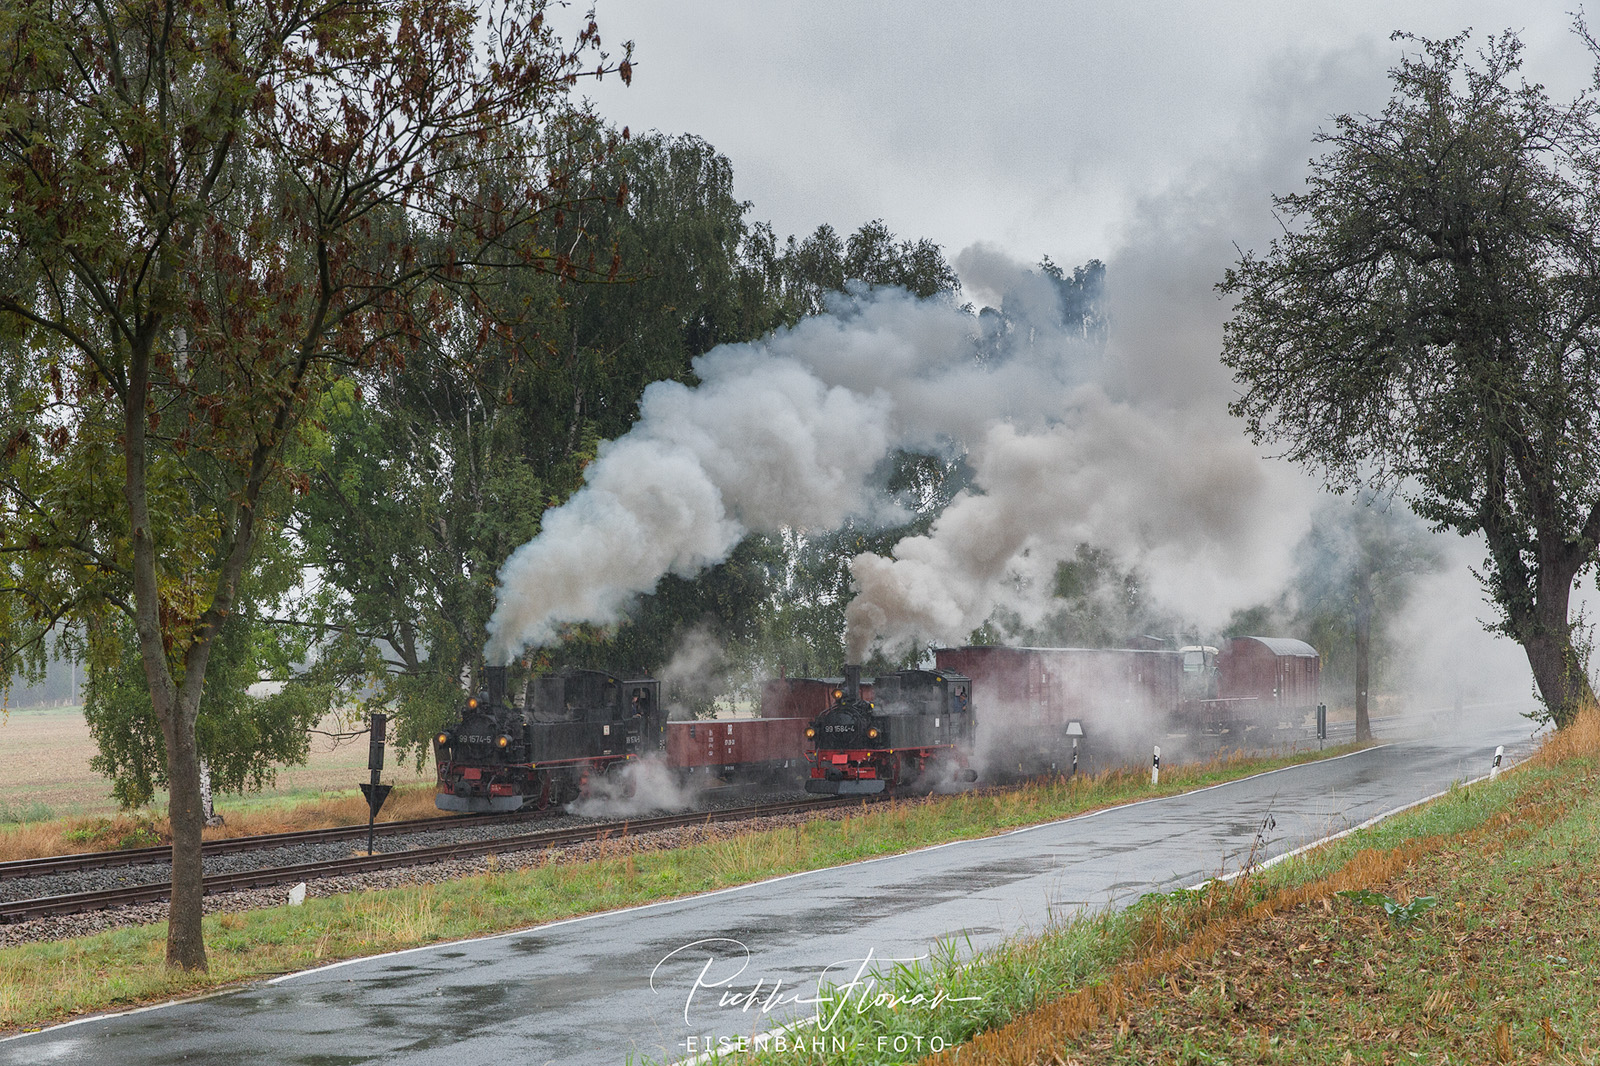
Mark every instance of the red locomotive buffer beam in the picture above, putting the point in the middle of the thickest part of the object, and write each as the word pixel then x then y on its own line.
pixel 850 773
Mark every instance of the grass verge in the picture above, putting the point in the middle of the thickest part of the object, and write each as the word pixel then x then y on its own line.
pixel 1460 932
pixel 49 982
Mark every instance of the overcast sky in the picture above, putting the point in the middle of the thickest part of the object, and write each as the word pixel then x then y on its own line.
pixel 1037 127
pixel 1147 134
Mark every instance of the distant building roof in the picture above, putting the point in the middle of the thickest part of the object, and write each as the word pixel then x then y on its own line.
pixel 1284 645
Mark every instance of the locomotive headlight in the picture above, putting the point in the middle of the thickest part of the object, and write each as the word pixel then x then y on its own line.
pixel 872 734
pixel 443 739
pixel 504 741
pixel 810 732
pixel 472 703
pixel 838 693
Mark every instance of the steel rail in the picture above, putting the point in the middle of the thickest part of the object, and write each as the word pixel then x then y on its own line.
pixel 99 860
pixel 78 902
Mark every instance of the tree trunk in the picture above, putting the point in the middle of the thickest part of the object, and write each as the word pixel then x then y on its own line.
pixel 186 946
pixel 175 708
pixel 1363 653
pixel 1562 680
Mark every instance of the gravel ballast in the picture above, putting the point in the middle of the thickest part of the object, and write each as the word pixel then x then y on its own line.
pixel 58 927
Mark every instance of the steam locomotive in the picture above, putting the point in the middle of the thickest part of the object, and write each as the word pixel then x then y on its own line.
pixel 571 728
pixel 913 730
pixel 1011 710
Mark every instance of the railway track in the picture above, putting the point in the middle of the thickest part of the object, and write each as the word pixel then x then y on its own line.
pixel 78 902
pixel 21 910
pixel 1341 730
pixel 100 860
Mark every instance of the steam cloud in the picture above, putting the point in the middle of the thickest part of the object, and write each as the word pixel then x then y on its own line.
pixel 1128 448
pixel 791 431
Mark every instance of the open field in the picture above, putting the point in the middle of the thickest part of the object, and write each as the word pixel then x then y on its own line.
pixel 44 771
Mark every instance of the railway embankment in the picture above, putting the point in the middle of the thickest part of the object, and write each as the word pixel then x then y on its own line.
pixel 1462 931
pixel 88 963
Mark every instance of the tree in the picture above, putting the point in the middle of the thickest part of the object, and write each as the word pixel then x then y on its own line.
pixel 1358 565
pixel 427 477
pixel 211 213
pixel 807 272
pixel 1428 321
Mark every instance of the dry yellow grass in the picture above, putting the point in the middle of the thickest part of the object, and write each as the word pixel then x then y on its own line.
pixel 1581 738
pixel 44 762
pixel 69 836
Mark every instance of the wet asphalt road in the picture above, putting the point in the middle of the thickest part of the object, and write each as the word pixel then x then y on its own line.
pixel 646 983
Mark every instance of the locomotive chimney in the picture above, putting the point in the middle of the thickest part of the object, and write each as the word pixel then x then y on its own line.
pixel 494 682
pixel 852 682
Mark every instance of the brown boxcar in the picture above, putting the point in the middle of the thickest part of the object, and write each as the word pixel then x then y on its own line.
pixel 1279 673
pixel 746 747
pixel 1028 698
pixel 1124 700
pixel 1084 684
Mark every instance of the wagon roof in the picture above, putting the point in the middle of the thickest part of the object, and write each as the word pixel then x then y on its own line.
pixel 1284 645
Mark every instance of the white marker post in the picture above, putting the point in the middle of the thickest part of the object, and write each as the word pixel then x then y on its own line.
pixel 1155 767
pixel 1499 753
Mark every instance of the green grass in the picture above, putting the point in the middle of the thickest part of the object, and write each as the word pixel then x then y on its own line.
pixel 42 983
pixel 1501 969
pixel 1501 966
pixel 22 813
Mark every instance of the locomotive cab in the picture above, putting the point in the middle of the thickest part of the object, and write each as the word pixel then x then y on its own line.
pixel 572 725
pixel 909 732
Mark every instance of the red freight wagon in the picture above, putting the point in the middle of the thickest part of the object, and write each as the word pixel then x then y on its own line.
pixel 804 697
pixel 1028 698
pixel 1083 684
pixel 1275 670
pixel 749 747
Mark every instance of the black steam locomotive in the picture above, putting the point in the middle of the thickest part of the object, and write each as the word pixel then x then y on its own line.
pixel 913 732
pixel 569 728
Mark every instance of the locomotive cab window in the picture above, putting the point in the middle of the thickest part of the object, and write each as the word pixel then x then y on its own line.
pixel 547 700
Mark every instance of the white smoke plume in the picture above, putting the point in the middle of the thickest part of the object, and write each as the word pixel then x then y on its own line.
pixel 696 674
pixel 1129 448
pixel 787 432
pixel 643 786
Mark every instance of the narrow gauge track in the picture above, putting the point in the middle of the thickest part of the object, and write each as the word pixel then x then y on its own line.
pixel 78 902
pixel 1339 730
pixel 100 860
